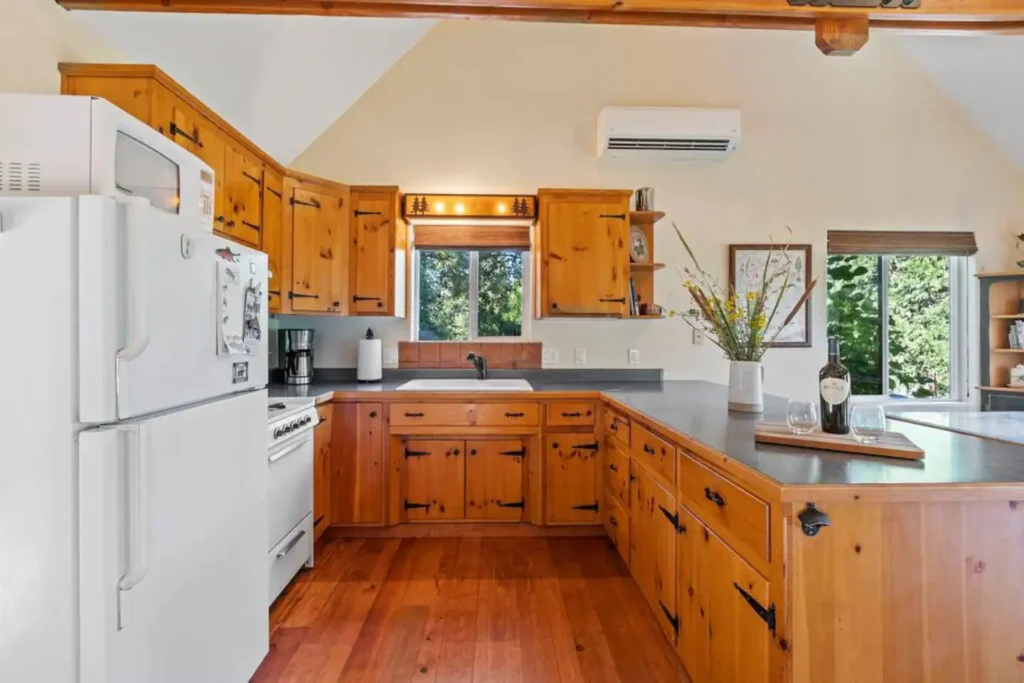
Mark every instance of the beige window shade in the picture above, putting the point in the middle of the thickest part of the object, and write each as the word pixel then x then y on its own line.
pixel 878 242
pixel 472 237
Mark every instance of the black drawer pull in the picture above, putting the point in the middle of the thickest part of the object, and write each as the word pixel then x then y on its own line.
pixel 591 507
pixel 614 426
pixel 514 454
pixel 356 297
pixel 178 131
pixel 296 295
pixel 620 216
pixel 613 521
pixel 414 414
pixel 714 496
pixel 366 213
pixel 515 414
pixel 572 414
pixel 648 449
pixel 585 446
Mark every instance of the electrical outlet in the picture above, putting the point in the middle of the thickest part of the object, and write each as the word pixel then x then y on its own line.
pixel 550 356
pixel 581 356
pixel 698 338
pixel 391 357
pixel 634 356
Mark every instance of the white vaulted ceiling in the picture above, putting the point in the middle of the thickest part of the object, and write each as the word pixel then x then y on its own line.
pixel 280 80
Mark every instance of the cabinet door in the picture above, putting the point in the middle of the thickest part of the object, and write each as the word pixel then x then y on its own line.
pixel 243 189
pixel 194 132
pixel 322 471
pixel 586 258
pixel 319 252
pixel 357 487
pixel 494 480
pixel 273 238
pixel 654 523
pixel 435 480
pixel 373 257
pixel 573 478
pixel 722 637
pixel 211 147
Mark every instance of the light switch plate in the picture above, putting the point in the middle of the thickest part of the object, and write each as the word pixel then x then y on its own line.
pixel 550 356
pixel 698 338
pixel 391 356
pixel 634 356
pixel 581 356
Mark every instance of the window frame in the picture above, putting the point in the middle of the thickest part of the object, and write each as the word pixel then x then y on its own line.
pixel 960 269
pixel 474 292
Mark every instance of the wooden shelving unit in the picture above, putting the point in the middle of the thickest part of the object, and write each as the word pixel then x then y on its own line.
pixel 642 274
pixel 1001 296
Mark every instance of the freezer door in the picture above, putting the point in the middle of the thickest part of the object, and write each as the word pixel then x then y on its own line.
pixel 173 539
pixel 169 314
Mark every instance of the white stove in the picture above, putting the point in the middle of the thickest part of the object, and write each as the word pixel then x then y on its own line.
pixel 290 424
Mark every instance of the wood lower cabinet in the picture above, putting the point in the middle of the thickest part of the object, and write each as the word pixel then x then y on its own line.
pixel 322 465
pixel 617 525
pixel 379 242
pixel 357 482
pixel 653 535
pixel 573 485
pixel 435 480
pixel 319 251
pixel 723 637
pixel 583 253
pixel 494 480
pixel 273 237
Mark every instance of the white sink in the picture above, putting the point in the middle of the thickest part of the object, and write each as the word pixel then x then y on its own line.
pixel 466 385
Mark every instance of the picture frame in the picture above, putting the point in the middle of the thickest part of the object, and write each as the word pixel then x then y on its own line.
pixel 750 258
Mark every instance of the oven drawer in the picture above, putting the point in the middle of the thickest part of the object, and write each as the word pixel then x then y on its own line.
pixel 290 486
pixel 288 556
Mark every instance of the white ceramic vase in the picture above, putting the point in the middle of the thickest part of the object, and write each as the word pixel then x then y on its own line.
pixel 746 390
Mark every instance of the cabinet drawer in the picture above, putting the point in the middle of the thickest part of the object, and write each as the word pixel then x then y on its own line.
pixel 616 426
pixel 616 473
pixel 507 414
pixel 432 414
pixel 616 523
pixel 653 451
pixel 739 517
pixel 571 414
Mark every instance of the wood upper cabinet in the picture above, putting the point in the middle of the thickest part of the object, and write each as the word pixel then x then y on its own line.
pixel 653 536
pixel 273 236
pixel 243 193
pixel 319 223
pixel 724 635
pixel 322 466
pixel 583 253
pixel 357 482
pixel 435 480
pixel 494 480
pixel 379 243
pixel 573 484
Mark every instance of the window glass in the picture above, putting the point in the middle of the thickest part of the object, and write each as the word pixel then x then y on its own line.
pixel 443 295
pixel 500 294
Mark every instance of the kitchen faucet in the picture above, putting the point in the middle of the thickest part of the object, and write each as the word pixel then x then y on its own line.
pixel 480 363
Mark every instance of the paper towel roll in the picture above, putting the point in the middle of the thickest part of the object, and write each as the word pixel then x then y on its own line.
pixel 369 366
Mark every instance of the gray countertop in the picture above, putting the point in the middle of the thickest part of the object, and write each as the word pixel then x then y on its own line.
pixel 698 410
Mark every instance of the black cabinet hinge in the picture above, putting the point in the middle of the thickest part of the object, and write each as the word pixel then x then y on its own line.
pixel 670 517
pixel 296 295
pixel 673 620
pixel 416 506
pixel 416 454
pixel 274 192
pixel 250 225
pixel 592 507
pixel 367 213
pixel 585 446
pixel 293 201
pixel 518 504
pixel 514 454
pixel 812 519
pixel 253 178
pixel 767 614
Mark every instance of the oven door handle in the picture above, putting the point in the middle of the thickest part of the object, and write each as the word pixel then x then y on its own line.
pixel 274 457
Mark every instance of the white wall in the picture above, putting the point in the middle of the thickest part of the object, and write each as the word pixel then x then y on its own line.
pixel 37 34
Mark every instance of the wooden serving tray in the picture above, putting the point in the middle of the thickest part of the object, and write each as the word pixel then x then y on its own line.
pixel 892 445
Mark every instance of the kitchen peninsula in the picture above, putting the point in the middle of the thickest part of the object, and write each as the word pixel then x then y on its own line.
pixel 805 563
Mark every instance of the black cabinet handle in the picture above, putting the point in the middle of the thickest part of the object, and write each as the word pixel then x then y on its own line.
pixel 356 297
pixel 514 454
pixel 648 449
pixel 812 519
pixel 515 414
pixel 620 216
pixel 613 521
pixel 572 415
pixel 414 414
pixel 253 178
pixel 613 467
pixel 180 133
pixel 714 496
pixel 296 295
pixel 314 203
pixel 620 300
pixel 367 213
pixel 591 507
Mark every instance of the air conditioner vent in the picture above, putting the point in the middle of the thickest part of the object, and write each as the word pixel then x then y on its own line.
pixel 668 144
pixel 17 176
pixel 663 133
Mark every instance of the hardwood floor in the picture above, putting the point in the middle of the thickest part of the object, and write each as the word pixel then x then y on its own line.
pixel 454 610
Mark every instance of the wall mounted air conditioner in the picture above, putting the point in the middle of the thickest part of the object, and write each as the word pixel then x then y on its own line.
pixel 653 133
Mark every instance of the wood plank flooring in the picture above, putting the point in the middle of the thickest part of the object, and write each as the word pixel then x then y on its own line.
pixel 461 610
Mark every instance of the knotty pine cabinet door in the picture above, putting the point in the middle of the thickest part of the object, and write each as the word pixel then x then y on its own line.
pixel 653 538
pixel 722 637
pixel 322 471
pixel 319 251
pixel 378 254
pixel 243 192
pixel 584 254
pixel 494 480
pixel 435 480
pixel 573 486
pixel 357 486
pixel 273 237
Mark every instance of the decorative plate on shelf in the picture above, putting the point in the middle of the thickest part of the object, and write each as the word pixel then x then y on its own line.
pixel 639 252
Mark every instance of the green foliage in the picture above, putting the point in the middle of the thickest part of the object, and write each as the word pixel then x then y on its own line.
pixel 918 322
pixel 500 295
pixel 444 294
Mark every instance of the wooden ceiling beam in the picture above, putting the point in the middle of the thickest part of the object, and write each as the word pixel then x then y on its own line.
pixel 840 36
pixel 1004 17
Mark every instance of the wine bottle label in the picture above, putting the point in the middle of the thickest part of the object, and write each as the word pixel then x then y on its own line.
pixel 834 391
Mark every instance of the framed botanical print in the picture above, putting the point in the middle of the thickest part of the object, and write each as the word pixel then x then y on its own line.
pixel 746 267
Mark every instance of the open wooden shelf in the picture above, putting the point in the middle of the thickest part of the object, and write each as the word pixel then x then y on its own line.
pixel 645 316
pixel 1016 390
pixel 650 267
pixel 1007 350
pixel 1001 273
pixel 1011 316
pixel 645 217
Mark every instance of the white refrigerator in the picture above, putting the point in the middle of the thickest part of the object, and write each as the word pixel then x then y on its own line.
pixel 133 471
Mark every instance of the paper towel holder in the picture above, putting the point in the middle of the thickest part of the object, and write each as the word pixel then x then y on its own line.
pixel 369 365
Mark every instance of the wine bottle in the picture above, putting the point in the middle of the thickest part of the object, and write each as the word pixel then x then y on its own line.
pixel 834 390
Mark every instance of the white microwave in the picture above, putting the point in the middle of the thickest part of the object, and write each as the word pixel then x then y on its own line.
pixel 64 145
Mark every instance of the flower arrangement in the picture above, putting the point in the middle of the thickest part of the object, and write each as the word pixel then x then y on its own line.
pixel 739 323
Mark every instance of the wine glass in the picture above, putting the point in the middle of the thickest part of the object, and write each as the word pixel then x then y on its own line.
pixel 867 422
pixel 802 416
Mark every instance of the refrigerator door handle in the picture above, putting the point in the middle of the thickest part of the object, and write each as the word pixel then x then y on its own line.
pixel 138 510
pixel 135 209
